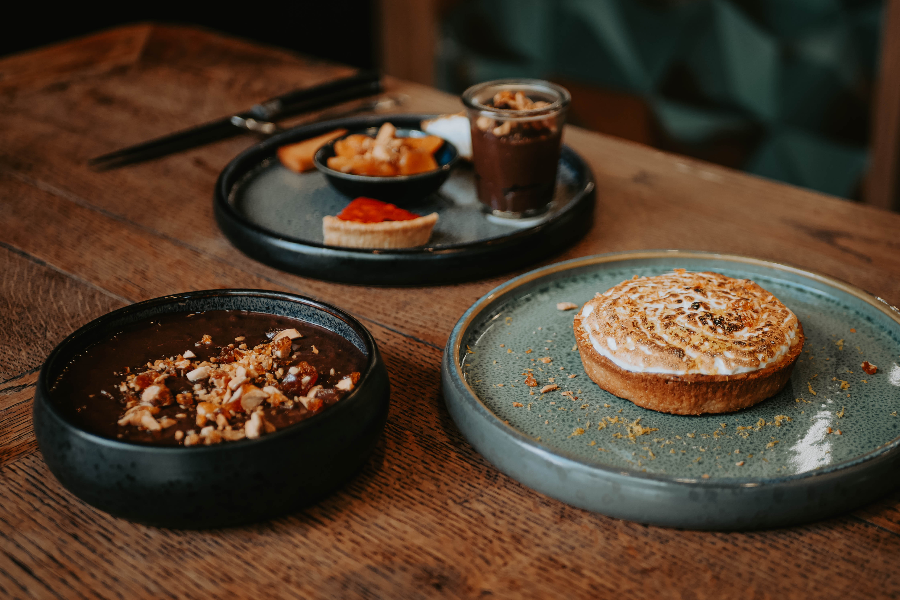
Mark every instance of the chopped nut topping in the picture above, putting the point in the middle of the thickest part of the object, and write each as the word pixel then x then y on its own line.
pixel 166 422
pixel 549 388
pixel 257 425
pixel 292 334
pixel 149 423
pixel 517 101
pixel 198 374
pixel 566 306
pixel 229 390
pixel 252 397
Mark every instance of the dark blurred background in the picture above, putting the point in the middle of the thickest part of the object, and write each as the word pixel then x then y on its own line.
pixel 780 88
pixel 341 30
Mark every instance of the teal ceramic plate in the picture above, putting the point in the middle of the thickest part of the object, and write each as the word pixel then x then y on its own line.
pixel 826 443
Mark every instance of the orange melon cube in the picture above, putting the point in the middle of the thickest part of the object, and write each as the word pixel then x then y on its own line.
pixel 299 157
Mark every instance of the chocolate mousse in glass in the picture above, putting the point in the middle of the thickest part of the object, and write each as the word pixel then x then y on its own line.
pixel 516 135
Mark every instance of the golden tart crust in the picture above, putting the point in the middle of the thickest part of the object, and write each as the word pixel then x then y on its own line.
pixel 387 234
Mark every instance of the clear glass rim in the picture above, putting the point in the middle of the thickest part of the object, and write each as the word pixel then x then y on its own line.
pixel 540 85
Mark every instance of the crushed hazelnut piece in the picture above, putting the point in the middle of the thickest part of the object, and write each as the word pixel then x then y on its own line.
pixel 198 374
pixel 292 334
pixel 167 422
pixel 251 397
pixel 149 423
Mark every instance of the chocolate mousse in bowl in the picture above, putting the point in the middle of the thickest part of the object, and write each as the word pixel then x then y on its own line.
pixel 516 136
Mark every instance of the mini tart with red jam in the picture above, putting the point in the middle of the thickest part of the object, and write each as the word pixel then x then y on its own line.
pixel 368 223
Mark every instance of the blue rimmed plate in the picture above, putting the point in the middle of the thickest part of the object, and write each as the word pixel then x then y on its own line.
pixel 828 442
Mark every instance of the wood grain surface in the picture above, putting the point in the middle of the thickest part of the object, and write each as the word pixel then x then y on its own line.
pixel 428 516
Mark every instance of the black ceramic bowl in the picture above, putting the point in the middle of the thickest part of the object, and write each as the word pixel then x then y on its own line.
pixel 400 189
pixel 229 483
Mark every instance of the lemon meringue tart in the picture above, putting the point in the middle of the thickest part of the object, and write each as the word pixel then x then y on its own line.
pixel 689 343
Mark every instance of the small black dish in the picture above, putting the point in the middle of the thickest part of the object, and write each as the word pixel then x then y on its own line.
pixel 399 189
pixel 229 483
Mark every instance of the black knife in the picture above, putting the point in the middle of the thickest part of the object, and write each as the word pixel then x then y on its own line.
pixel 365 83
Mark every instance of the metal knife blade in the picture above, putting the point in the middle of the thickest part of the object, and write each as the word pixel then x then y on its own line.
pixel 267 128
pixel 366 83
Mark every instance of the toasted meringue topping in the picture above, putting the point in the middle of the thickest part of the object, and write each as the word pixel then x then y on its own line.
pixel 683 323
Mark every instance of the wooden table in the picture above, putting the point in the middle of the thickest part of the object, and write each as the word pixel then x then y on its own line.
pixel 428 516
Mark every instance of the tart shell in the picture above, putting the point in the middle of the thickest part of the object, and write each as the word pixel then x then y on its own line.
pixel 690 394
pixel 387 234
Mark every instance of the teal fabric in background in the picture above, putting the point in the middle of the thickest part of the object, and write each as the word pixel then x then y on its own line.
pixel 791 80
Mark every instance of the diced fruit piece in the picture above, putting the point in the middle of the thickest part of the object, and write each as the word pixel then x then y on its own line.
pixel 429 144
pixel 299 157
pixel 415 161
pixel 352 145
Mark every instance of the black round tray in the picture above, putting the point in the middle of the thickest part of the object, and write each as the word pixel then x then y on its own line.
pixel 274 216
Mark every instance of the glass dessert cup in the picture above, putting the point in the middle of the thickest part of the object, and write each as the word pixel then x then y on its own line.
pixel 516 137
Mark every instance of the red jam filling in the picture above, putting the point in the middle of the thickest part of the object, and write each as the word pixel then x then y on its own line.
pixel 367 210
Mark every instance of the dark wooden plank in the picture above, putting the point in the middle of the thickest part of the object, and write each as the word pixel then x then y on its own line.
pixel 16 430
pixel 40 306
pixel 883 513
pixel 90 56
